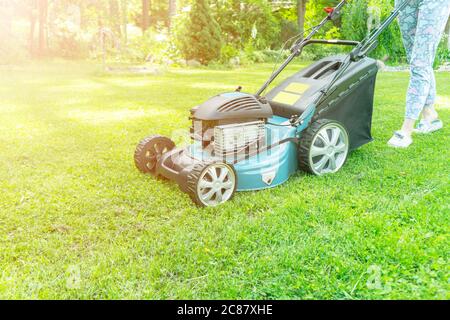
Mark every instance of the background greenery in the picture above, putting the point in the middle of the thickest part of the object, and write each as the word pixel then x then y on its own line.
pixel 229 32
pixel 77 220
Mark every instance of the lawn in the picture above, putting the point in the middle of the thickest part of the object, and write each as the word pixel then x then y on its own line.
pixel 77 220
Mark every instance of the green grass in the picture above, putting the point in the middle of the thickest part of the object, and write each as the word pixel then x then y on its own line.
pixel 77 220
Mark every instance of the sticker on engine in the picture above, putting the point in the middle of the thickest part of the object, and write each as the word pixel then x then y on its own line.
pixel 297 87
pixel 286 98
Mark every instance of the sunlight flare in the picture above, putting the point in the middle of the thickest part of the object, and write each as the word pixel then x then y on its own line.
pixel 102 117
pixel 443 102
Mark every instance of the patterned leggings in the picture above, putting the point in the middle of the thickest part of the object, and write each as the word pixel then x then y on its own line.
pixel 422 23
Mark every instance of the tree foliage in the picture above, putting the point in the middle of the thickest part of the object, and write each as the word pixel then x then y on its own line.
pixel 134 29
pixel 244 21
pixel 202 37
pixel 360 14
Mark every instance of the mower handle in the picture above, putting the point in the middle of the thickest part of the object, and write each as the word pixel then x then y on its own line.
pixel 299 44
pixel 335 12
pixel 362 49
pixel 370 43
pixel 330 42
pixel 335 42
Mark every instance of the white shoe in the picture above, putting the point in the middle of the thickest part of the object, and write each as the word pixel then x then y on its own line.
pixel 426 126
pixel 400 140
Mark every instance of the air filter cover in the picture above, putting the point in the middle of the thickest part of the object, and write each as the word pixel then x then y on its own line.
pixel 233 105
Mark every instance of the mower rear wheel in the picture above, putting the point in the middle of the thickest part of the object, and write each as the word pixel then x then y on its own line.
pixel 211 183
pixel 149 151
pixel 323 147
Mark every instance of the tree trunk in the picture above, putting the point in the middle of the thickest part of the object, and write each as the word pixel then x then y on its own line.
pixel 83 20
pixel 301 9
pixel 43 8
pixel 6 21
pixel 172 10
pixel 124 14
pixel 448 33
pixel 145 15
pixel 114 16
pixel 33 11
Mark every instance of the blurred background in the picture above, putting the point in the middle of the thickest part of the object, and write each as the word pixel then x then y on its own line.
pixel 180 32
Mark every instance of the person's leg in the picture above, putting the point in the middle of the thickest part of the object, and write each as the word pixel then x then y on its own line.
pixel 407 20
pixel 433 16
pixel 408 23
pixel 428 112
pixel 430 118
pixel 431 21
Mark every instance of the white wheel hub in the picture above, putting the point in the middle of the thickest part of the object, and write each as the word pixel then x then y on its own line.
pixel 216 184
pixel 329 149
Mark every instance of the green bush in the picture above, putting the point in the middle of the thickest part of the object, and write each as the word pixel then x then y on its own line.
pixel 200 39
pixel 354 27
pixel 443 53
pixel 354 20
pixel 12 51
pixel 153 46
pixel 244 21
pixel 69 45
pixel 287 21
pixel 228 52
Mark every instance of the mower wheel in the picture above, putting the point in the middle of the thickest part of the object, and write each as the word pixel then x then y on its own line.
pixel 211 183
pixel 149 151
pixel 323 147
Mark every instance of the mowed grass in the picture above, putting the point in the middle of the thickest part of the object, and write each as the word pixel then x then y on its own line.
pixel 77 220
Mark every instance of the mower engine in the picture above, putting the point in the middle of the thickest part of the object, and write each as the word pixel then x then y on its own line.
pixel 233 140
pixel 230 124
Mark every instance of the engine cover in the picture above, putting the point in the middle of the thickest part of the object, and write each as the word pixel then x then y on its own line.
pixel 233 105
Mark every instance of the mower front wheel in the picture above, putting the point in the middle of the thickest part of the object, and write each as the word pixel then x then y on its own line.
pixel 149 151
pixel 211 183
pixel 323 147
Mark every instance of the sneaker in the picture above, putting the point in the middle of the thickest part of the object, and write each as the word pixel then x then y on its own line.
pixel 400 140
pixel 426 126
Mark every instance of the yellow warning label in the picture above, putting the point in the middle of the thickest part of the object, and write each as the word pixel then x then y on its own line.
pixel 286 98
pixel 297 87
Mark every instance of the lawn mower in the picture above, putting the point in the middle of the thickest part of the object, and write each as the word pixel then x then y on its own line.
pixel 311 121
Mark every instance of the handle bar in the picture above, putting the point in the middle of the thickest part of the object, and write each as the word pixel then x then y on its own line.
pixel 331 42
pixel 296 49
